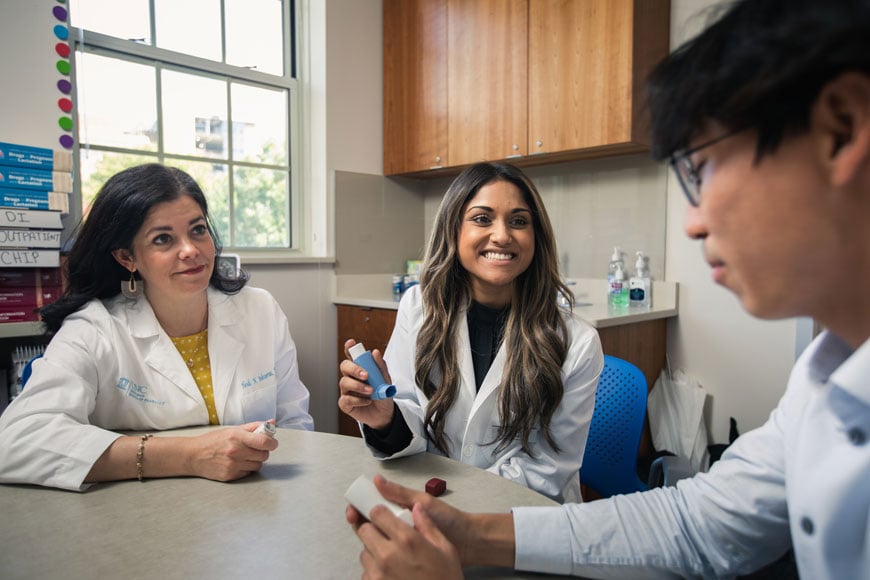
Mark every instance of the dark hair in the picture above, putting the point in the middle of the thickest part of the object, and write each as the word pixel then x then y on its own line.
pixel 761 66
pixel 118 211
pixel 535 333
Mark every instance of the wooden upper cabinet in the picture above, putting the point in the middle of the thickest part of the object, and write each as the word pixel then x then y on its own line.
pixel 487 68
pixel 415 85
pixel 534 81
pixel 588 63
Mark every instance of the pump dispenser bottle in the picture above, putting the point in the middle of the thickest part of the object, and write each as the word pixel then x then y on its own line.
pixel 617 288
pixel 640 285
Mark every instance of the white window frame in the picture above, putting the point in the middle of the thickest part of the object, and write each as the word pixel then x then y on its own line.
pixel 299 222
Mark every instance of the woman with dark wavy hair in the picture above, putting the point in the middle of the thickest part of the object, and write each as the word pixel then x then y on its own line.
pixel 489 369
pixel 149 335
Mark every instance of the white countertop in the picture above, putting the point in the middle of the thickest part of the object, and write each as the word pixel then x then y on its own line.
pixel 590 294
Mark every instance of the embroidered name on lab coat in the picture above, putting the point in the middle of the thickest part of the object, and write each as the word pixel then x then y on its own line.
pixel 257 379
pixel 136 392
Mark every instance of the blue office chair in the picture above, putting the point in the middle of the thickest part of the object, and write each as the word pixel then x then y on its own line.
pixel 610 461
pixel 27 370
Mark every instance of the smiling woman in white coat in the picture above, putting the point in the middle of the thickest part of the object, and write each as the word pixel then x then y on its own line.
pixel 489 369
pixel 148 336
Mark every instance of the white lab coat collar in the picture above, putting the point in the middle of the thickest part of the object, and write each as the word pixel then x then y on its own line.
pixel 225 351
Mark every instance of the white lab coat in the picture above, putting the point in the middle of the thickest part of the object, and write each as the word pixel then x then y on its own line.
pixel 472 423
pixel 112 367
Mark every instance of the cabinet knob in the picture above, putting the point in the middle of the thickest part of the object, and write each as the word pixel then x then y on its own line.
pixel 437 159
pixel 367 319
pixel 516 147
pixel 539 143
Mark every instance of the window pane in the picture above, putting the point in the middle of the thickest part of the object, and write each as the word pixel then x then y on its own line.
pixel 189 26
pixel 98 166
pixel 194 115
pixel 254 35
pixel 261 210
pixel 117 102
pixel 214 181
pixel 128 19
pixel 259 124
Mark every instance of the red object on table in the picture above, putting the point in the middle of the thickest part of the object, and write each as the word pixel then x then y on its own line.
pixel 436 486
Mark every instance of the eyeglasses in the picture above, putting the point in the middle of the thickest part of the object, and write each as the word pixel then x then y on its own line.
pixel 687 173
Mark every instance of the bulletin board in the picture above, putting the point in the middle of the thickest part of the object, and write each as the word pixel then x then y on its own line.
pixel 36 100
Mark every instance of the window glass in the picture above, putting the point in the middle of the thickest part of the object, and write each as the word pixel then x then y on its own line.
pixel 190 27
pixel 259 124
pixel 260 20
pixel 260 210
pixel 214 179
pixel 228 125
pixel 98 166
pixel 117 102
pixel 194 126
pixel 128 19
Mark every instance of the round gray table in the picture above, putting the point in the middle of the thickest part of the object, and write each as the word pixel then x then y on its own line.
pixel 287 521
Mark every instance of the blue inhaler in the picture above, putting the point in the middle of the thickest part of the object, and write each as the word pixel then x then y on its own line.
pixel 363 358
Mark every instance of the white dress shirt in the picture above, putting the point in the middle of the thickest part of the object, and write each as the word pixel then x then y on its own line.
pixel 800 480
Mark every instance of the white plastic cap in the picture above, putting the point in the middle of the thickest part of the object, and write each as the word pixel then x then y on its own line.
pixel 363 495
pixel 356 350
pixel 617 254
pixel 640 264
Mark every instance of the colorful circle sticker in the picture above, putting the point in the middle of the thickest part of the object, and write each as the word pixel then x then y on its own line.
pixel 62 49
pixel 66 141
pixel 59 13
pixel 64 86
pixel 65 105
pixel 65 123
pixel 61 32
pixel 63 67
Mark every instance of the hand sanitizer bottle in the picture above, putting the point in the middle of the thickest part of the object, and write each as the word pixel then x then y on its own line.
pixel 640 285
pixel 619 288
pixel 616 265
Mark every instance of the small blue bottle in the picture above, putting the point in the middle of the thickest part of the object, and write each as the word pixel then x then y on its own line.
pixel 363 358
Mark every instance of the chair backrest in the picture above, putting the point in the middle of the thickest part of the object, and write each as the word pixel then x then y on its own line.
pixel 27 370
pixel 610 460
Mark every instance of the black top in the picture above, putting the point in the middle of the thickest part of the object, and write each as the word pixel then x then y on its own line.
pixel 485 332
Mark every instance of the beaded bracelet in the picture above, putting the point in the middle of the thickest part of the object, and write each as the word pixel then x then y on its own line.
pixel 140 455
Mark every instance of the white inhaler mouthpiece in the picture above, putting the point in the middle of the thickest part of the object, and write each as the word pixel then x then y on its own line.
pixel 364 496
pixel 362 357
pixel 268 428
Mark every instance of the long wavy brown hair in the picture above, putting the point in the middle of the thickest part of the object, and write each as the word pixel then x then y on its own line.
pixel 536 336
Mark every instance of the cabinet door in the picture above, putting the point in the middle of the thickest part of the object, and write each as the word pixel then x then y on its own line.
pixel 415 85
pixel 588 63
pixel 487 66
pixel 370 326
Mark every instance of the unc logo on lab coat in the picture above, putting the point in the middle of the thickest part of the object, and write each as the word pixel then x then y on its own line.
pixel 136 391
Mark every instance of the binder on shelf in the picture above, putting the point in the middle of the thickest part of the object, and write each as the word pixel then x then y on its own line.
pixel 32 296
pixel 36 277
pixel 19 314
pixel 35 179
pixel 29 258
pixel 24 238
pixel 36 157
pixel 34 199
pixel 30 218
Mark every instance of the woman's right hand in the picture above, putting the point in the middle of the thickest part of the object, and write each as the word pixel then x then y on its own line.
pixel 355 398
pixel 231 453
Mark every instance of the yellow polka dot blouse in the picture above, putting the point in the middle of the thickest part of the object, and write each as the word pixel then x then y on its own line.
pixel 194 350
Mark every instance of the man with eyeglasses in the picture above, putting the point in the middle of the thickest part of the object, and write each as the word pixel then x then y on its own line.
pixel 765 118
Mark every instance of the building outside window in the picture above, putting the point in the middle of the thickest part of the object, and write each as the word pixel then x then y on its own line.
pixel 208 86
